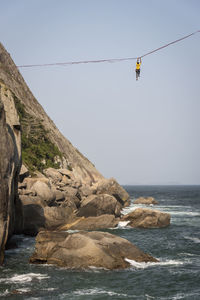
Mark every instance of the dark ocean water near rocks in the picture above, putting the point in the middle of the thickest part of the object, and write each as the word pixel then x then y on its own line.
pixel 176 276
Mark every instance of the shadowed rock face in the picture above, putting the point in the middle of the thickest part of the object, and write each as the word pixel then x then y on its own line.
pixel 11 219
pixel 86 249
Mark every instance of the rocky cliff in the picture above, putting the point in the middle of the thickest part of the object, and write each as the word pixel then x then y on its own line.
pixel 37 126
pixel 66 189
pixel 11 219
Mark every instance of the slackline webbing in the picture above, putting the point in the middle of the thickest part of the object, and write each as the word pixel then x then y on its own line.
pixel 111 60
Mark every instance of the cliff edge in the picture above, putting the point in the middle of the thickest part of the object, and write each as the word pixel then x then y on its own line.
pixel 36 125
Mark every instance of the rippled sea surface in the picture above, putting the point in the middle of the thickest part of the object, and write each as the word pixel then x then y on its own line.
pixel 176 276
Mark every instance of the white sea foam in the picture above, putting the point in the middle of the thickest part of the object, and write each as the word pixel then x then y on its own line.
pixel 97 291
pixel 123 224
pixel 185 296
pixel 95 269
pixel 50 289
pixel 23 290
pixel 173 209
pixel 5 293
pixel 149 297
pixel 187 254
pixel 72 231
pixel 23 244
pixel 143 265
pixel 181 296
pixel 127 210
pixel 185 213
pixel 131 208
pixel 175 206
pixel 24 278
pixel 194 239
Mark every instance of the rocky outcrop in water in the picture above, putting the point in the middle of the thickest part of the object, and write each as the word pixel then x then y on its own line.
pixel 146 201
pixel 83 250
pixel 56 199
pixel 147 218
pixel 11 219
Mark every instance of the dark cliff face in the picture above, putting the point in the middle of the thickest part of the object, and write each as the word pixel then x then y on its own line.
pixel 34 119
pixel 10 163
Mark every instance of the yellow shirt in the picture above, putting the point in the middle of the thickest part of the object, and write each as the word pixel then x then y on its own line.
pixel 138 66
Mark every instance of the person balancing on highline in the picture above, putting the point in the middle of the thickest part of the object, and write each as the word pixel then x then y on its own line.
pixel 137 70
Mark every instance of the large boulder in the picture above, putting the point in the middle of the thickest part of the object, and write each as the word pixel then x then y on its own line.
pixel 67 175
pixel 60 196
pixel 92 223
pixel 30 181
pixel 58 216
pixel 96 205
pixel 11 216
pixel 43 191
pixel 67 196
pixel 86 191
pixel 147 218
pixel 38 215
pixel 33 212
pixel 112 187
pixel 53 174
pixel 30 199
pixel 147 201
pixel 86 249
pixel 34 219
pixel 72 194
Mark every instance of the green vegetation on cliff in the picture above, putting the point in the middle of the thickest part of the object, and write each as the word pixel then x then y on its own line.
pixel 38 152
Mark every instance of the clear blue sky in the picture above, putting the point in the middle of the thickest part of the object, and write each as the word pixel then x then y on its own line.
pixel 145 132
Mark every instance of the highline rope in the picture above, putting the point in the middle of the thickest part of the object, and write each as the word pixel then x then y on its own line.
pixel 111 60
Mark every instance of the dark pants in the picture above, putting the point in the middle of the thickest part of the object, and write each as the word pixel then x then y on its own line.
pixel 137 73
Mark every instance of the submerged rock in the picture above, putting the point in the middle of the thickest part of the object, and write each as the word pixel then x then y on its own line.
pixel 86 249
pixel 147 201
pixel 147 218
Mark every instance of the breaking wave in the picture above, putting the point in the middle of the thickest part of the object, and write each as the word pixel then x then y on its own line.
pixel 24 278
pixel 194 239
pixel 143 265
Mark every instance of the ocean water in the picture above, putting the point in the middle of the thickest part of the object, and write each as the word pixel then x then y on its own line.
pixel 176 276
